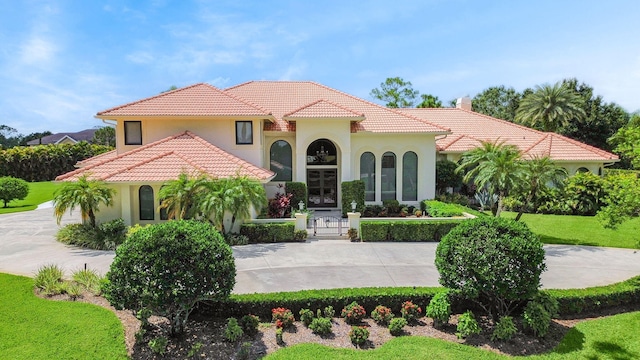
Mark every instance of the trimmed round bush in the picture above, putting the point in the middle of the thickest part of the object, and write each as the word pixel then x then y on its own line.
pixel 12 189
pixel 168 268
pixel 495 262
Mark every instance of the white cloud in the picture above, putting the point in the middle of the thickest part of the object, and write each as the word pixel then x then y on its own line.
pixel 37 50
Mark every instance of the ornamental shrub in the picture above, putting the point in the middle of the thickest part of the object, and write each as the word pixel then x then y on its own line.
pixel 169 268
pixel 298 190
pixel 233 331
pixel 306 316
pixel 382 315
pixel 282 317
pixel 504 329
pixel 329 312
pixel 467 325
pixel 494 262
pixel 321 326
pixel 269 233
pixel 437 208
pixel 358 335
pixel 352 190
pixel 439 309
pixel 410 311
pixel 12 189
pixel 353 313
pixel 396 326
pixel 249 324
pixel 536 319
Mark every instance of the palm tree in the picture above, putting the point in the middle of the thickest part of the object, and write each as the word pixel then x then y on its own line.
pixel 181 197
pixel 493 165
pixel 85 193
pixel 550 107
pixel 539 172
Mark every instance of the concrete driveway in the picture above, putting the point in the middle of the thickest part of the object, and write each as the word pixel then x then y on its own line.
pixel 27 242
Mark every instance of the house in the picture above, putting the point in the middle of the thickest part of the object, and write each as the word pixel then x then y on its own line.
pixel 64 138
pixel 276 131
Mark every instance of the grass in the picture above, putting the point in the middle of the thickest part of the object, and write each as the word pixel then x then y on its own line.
pixel 35 328
pixel 614 337
pixel 580 230
pixel 39 192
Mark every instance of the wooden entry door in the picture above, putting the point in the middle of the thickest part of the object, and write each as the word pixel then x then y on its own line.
pixel 322 185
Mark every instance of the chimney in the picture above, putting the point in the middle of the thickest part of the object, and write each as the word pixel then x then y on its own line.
pixel 464 103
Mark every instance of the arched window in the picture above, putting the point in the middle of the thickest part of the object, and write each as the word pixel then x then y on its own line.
pixel 368 175
pixel 388 178
pixel 322 152
pixel 145 197
pixel 281 160
pixel 410 176
pixel 582 170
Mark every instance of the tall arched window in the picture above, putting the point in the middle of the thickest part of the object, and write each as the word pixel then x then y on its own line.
pixel 281 160
pixel 368 175
pixel 145 197
pixel 410 176
pixel 388 178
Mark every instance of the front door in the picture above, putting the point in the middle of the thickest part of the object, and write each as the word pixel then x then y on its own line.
pixel 322 185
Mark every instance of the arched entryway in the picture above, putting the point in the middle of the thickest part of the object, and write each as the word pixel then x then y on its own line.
pixel 322 174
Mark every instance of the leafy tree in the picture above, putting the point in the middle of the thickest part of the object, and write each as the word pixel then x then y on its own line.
pixel 429 101
pixel 494 165
pixel 9 137
pixel 538 173
pixel 622 200
pixel 498 102
pixel 106 135
pixel 447 176
pixel 182 197
pixel 12 189
pixel 494 262
pixel 396 92
pixel 550 107
pixel 85 193
pixel 627 142
pixel 167 269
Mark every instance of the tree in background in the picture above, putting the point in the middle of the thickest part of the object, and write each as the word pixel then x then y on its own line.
pixel 622 200
pixel 84 193
pixel 550 107
pixel 9 137
pixel 447 176
pixel 12 189
pixel 396 92
pixel 429 101
pixel 539 172
pixel 106 135
pixel 498 102
pixel 626 142
pixel 494 165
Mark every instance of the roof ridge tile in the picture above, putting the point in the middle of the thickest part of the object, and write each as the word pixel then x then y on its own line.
pixel 149 98
pixel 323 101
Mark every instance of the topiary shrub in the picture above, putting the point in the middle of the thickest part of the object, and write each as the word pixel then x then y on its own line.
pixel 396 326
pixel 467 325
pixel 358 335
pixel 494 262
pixel 439 309
pixel 321 326
pixel 168 268
pixel 12 189
pixel 352 190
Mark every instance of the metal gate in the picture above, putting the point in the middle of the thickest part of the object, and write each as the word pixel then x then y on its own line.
pixel 330 225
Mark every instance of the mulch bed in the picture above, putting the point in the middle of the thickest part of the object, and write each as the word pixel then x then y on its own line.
pixel 204 336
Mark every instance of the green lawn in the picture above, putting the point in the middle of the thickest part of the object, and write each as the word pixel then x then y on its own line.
pixel 581 230
pixel 615 337
pixel 39 192
pixel 35 328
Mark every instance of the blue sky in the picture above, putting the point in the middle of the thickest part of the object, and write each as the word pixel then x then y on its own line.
pixel 63 61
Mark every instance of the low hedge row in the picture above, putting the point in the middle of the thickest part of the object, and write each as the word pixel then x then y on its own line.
pixel 435 208
pixel 406 230
pixel 269 233
pixel 572 302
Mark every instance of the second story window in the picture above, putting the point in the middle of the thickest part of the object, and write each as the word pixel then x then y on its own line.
pixel 133 133
pixel 244 132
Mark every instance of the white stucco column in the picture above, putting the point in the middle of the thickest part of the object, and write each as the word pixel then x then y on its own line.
pixel 301 221
pixel 354 220
pixel 125 195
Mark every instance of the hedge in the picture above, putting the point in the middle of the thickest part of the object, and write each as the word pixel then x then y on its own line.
pixel 437 208
pixel 572 302
pixel 45 162
pixel 269 233
pixel 352 190
pixel 406 230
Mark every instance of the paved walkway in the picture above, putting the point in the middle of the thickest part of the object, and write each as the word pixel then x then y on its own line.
pixel 27 242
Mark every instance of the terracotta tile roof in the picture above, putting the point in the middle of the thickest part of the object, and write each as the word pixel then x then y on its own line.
pixel 285 97
pixel 195 100
pixel 469 128
pixel 98 158
pixel 324 109
pixel 165 159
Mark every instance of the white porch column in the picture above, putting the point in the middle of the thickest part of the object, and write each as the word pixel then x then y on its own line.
pixel 125 195
pixel 301 221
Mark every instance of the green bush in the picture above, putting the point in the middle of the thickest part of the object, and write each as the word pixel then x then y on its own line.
pixel 298 191
pixel 374 231
pixel 439 309
pixel 467 325
pixel 410 311
pixel 112 233
pixel 12 189
pixel 158 345
pixel 494 262
pixel 300 235
pixel 249 324
pixel 282 317
pixel 235 239
pixel 406 230
pixel 504 329
pixel 453 198
pixel 358 335
pixel 107 236
pixel 306 316
pixel 396 326
pixel 233 331
pixel 89 279
pixel 352 190
pixel 329 312
pixel 49 280
pixel 269 233
pixel 382 315
pixel 437 208
pixel 321 326
pixel 536 318
pixel 392 206
pixel 353 313
pixel 169 268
